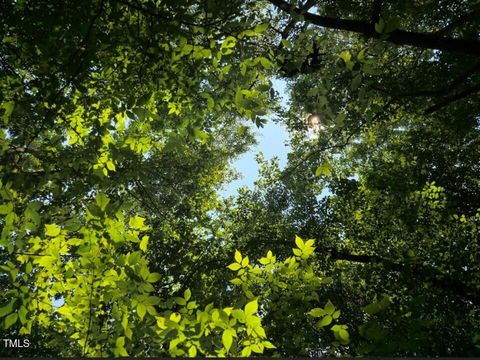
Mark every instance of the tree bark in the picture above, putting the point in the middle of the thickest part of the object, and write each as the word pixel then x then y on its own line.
pixel 398 37
pixel 413 270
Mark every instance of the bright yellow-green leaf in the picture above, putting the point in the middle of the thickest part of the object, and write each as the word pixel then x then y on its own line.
pixel 299 242
pixel 137 223
pixel 246 351
pixel 110 166
pixel 227 338
pixel 52 230
pixel 236 281
pixel 257 348
pixel 192 351
pixel 238 256
pixel 120 342
pixel 324 169
pixel 234 266
pixel 268 345
pixel 175 317
pixel 144 243
pixel 346 56
pixel 251 308
pixel 264 261
pixel 187 294
pixel 141 311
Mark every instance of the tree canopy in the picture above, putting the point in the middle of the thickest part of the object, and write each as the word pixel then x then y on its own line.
pixel 119 121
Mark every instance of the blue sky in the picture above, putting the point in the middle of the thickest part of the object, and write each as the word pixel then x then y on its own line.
pixel 272 142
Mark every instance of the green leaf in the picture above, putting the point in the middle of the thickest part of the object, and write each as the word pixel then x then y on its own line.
pixel 102 201
pixel 234 266
pixel 144 243
pixel 343 335
pixel 137 223
pixel 356 82
pixel 336 314
pixel 180 301
pixel 120 342
pixel 141 310
pixel 52 230
pixel 6 208
pixel 361 54
pixel 327 280
pixel 261 28
pixel 286 44
pixel 110 165
pixel 264 261
pixel 297 252
pixel 22 314
pixel 28 269
pixel 11 320
pixel 7 309
pixel 324 169
pixel 346 56
pixel 251 308
pixel 329 308
pixel 268 345
pixel 8 110
pixel 380 26
pixel 227 338
pixel 325 321
pixel 154 277
pixel 376 307
pixel 299 242
pixel 236 281
pixel 192 351
pixel 265 62
pixel 187 294
pixel 316 312
pixel 238 314
pixel 229 42
pixel 238 256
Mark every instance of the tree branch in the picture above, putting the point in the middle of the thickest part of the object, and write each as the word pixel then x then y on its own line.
pixel 413 270
pixel 443 90
pixel 450 99
pixel 398 37
pixel 376 10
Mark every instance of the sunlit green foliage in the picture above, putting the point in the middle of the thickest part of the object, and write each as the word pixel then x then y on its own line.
pixel 118 123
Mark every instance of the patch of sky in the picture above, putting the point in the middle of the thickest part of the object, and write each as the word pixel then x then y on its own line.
pixel 272 141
